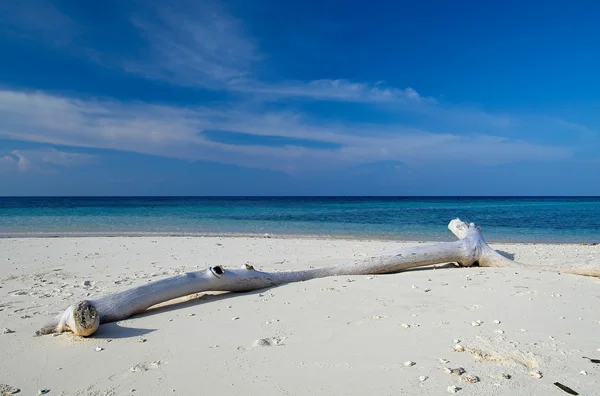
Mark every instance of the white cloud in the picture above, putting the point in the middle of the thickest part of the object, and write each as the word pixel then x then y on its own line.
pixel 177 132
pixel 13 162
pixel 200 45
pixel 45 160
pixel 334 90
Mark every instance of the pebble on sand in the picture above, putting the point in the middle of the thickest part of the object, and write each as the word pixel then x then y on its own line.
pixel 497 321
pixel 7 331
pixel 409 363
pixel 43 391
pixel 453 389
pixel 455 371
pixel 423 378
pixel 583 372
pixel 99 349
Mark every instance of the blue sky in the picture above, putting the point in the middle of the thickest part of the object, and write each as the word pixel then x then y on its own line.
pixel 303 97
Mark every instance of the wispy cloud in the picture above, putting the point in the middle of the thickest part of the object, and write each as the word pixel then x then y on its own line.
pixel 333 90
pixel 199 45
pixel 13 162
pixel 46 160
pixel 203 46
pixel 178 132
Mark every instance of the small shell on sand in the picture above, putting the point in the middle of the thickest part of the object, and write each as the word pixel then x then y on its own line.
pixel 423 378
pixel 536 374
pixel 470 378
pixel 43 391
pixel 456 341
pixel 99 349
pixel 141 340
pixel 7 331
pixel 497 321
pixel 235 318
pixel 500 331
pixel 583 372
pixel 444 361
pixel 406 326
pixel 458 348
pixel 475 324
pixel 453 389
pixel 409 363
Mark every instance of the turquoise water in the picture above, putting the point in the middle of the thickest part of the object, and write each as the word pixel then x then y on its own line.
pixel 408 218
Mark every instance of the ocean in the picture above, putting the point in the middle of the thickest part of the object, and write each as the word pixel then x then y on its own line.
pixel 503 219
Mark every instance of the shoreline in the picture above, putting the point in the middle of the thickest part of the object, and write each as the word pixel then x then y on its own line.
pixel 267 235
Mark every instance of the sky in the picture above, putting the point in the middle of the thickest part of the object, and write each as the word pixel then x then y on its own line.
pixel 299 97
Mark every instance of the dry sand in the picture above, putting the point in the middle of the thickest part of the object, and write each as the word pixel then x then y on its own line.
pixel 333 336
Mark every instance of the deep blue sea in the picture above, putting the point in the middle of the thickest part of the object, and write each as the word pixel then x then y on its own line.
pixel 515 219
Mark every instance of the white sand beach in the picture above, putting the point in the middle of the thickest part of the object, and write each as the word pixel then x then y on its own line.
pixel 332 336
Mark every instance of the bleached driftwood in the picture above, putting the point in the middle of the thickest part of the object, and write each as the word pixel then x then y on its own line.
pixel 84 317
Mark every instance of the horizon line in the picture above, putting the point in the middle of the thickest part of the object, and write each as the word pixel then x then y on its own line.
pixel 297 196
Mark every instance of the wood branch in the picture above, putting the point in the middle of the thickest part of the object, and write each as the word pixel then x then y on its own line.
pixel 488 257
pixel 85 317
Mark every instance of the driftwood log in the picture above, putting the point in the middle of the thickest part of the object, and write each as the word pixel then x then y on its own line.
pixel 85 317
